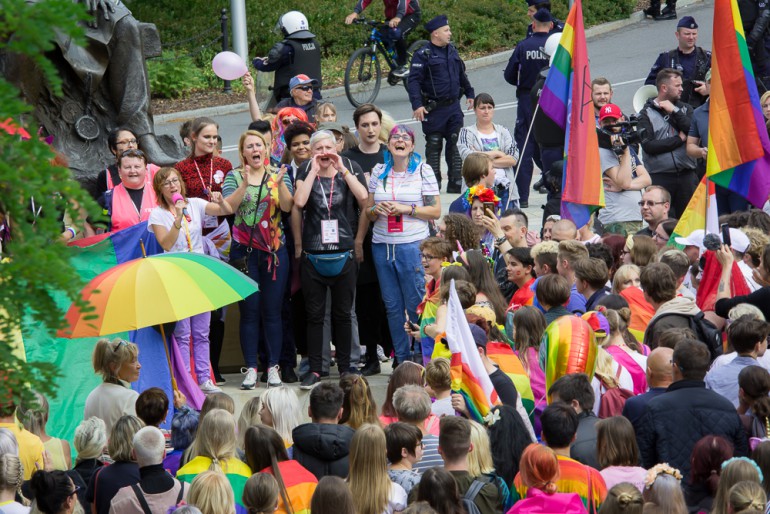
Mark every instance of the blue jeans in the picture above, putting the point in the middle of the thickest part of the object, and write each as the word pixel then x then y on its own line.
pixel 255 312
pixel 402 281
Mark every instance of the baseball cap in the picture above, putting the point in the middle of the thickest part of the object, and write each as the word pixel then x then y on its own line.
pixel 331 125
pixel 301 80
pixel 687 22
pixel 543 15
pixel 739 241
pixel 479 336
pixel 694 239
pixel 610 111
pixel 436 23
pixel 598 322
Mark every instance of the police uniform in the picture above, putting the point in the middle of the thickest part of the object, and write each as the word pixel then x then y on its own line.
pixel 755 15
pixel 693 66
pixel 558 25
pixel 297 54
pixel 523 70
pixel 437 81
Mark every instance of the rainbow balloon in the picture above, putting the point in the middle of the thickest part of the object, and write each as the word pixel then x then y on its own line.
pixel 568 346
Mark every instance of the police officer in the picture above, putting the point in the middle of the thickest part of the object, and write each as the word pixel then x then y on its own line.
pixel 523 69
pixel 691 60
pixel 755 15
pixel 437 80
pixel 298 54
pixel 535 5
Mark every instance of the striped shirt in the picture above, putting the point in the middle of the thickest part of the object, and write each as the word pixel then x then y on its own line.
pixel 430 455
pixel 407 189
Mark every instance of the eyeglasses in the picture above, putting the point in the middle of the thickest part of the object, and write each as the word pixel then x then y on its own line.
pixel 421 445
pixel 401 137
pixel 427 257
pixel 304 88
pixel 648 203
pixel 171 182
pixel 74 491
pixel 126 142
pixel 655 235
pixel 132 153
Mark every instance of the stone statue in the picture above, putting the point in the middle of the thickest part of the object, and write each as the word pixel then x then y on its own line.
pixel 105 86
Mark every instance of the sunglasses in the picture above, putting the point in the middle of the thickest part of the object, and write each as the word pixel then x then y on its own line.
pixel 304 88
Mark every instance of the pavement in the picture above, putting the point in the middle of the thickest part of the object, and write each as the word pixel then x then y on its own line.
pixel 623 51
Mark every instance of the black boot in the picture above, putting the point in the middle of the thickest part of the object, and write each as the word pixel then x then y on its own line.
pixel 668 12
pixel 372 366
pixel 433 145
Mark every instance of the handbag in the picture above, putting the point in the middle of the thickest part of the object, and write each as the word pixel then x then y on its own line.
pixel 329 264
pixel 242 263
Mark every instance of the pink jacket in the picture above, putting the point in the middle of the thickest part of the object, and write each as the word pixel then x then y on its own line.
pixel 538 502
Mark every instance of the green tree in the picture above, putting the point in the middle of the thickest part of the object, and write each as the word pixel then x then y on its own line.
pixel 34 263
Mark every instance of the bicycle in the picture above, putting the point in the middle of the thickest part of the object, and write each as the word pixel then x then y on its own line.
pixel 363 74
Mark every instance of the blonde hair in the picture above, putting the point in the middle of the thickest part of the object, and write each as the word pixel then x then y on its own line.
pixel 623 498
pixel 745 309
pixel 358 405
pixel 34 414
pixel 736 470
pixel 12 474
pixel 665 496
pixel 438 375
pixel 112 354
pixel 480 456
pixel 216 438
pixel 284 407
pixel 622 274
pixel 368 477
pixel 604 369
pixel 260 494
pixel 747 496
pixel 249 417
pixel 212 493
pixel 90 438
pixel 321 108
pixel 122 437
pixel 242 141
pixel 387 123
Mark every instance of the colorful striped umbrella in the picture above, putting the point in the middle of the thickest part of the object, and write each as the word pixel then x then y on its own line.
pixel 154 290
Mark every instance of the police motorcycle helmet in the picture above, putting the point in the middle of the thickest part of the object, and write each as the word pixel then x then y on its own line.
pixel 294 24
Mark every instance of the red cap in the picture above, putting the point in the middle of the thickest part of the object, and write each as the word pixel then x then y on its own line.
pixel 610 111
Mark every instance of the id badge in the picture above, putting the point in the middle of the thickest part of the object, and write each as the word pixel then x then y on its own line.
pixel 210 222
pixel 330 233
pixel 395 223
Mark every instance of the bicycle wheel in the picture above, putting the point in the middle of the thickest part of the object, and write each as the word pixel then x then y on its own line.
pixel 409 53
pixel 362 77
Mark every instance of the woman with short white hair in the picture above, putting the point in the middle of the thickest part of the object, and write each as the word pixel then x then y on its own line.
pixel 330 190
pixel 90 441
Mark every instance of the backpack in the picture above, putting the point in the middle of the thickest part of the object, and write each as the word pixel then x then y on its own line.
pixel 705 331
pixel 614 398
pixel 470 495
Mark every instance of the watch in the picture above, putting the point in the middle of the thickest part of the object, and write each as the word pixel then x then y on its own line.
pixel 500 240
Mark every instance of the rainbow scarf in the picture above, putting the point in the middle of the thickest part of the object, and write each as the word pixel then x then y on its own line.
pixel 469 377
pixel 236 472
pixel 300 486
pixel 738 146
pixel 566 87
pixel 509 363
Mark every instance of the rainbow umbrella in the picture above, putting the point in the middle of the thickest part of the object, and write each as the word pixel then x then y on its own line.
pixel 155 290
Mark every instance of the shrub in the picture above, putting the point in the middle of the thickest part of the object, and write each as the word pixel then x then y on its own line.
pixel 173 76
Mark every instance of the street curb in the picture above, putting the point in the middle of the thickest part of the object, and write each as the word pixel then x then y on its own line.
pixel 473 64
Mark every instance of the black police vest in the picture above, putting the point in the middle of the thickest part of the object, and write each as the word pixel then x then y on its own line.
pixel 307 60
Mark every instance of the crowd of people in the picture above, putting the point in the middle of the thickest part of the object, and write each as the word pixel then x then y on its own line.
pixel 630 375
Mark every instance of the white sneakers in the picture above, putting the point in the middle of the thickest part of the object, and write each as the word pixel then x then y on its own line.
pixel 274 377
pixel 250 382
pixel 208 387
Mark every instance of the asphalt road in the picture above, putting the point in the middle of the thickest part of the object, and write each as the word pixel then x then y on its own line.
pixel 623 56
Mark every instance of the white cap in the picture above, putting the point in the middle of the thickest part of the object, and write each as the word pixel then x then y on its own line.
pixel 694 239
pixel 739 241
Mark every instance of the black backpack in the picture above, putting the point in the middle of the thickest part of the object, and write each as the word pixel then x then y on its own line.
pixel 705 331
pixel 470 495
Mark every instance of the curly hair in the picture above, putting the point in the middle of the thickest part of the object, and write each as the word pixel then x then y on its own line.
pixel 460 228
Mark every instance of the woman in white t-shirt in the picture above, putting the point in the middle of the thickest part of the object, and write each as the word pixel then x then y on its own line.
pixel 403 198
pixel 177 223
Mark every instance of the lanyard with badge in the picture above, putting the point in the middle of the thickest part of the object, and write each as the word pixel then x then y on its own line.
pixel 208 220
pixel 395 221
pixel 330 233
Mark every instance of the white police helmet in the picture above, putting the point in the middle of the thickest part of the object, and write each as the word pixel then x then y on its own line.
pixel 551 44
pixel 294 23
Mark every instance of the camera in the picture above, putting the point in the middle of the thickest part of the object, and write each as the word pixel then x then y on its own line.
pixel 628 133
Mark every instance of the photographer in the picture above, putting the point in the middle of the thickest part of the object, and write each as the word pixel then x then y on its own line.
pixel 623 173
pixel 666 120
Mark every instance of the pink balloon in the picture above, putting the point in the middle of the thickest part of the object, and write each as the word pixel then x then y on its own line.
pixel 229 66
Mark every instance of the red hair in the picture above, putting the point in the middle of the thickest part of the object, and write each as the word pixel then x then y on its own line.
pixel 539 468
pixel 284 113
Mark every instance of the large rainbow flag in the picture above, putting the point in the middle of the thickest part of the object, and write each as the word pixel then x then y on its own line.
pixel 738 146
pixel 509 363
pixel 469 377
pixel 700 214
pixel 236 471
pixel 566 99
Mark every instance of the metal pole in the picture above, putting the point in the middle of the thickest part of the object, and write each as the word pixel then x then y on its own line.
pixel 238 18
pixel 225 45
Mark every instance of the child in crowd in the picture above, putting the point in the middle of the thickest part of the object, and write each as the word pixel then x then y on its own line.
pixel 439 386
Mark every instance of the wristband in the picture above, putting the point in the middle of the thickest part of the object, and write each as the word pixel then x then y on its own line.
pixel 178 227
pixel 72 231
pixel 500 240
pixel 414 208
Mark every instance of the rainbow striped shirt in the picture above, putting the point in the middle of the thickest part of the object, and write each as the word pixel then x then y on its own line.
pixel 236 472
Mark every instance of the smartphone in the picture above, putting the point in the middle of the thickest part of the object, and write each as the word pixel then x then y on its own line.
pixel 491 207
pixel 413 326
pixel 725 234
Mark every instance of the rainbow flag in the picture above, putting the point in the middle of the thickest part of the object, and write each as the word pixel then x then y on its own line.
pixel 566 99
pixel 300 486
pixel 738 147
pixel 235 470
pixel 509 363
pixel 469 377
pixel 700 214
